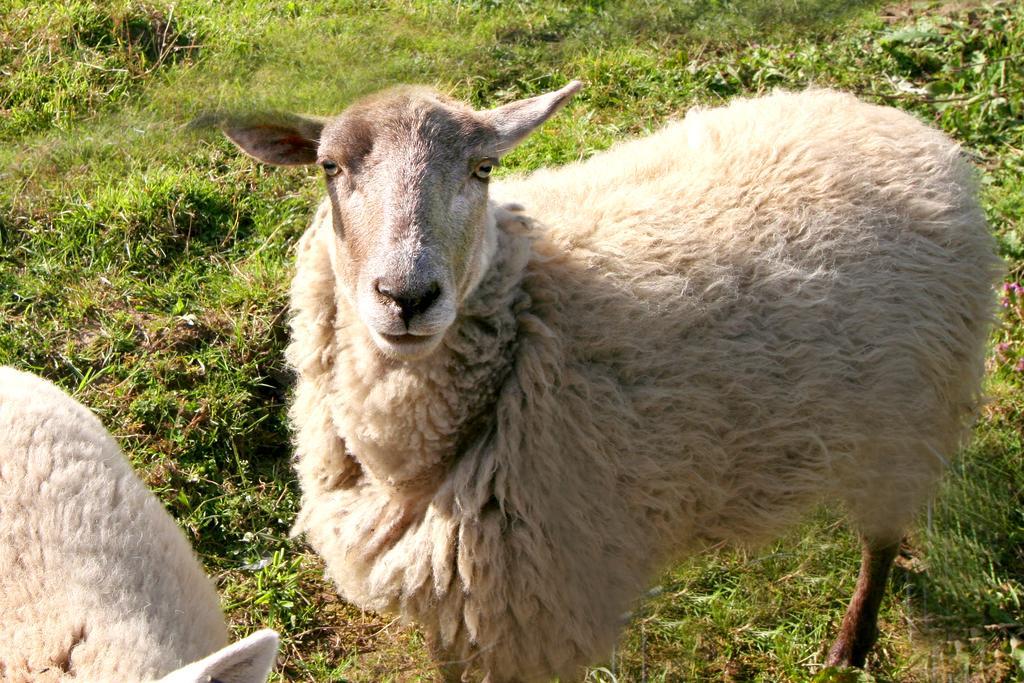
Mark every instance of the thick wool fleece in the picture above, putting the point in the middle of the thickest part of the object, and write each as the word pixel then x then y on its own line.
pixel 707 331
pixel 97 583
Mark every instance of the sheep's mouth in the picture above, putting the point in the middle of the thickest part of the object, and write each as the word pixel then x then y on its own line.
pixel 405 339
pixel 407 346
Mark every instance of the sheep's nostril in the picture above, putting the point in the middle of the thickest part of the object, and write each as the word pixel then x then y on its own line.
pixel 410 300
pixel 384 289
pixel 428 297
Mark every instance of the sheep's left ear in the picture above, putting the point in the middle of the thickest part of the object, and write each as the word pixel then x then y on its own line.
pixel 514 121
pixel 247 661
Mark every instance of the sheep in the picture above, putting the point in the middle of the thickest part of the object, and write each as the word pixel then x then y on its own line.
pixel 97 583
pixel 513 411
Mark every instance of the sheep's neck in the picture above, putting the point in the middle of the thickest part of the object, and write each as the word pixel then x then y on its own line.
pixel 406 423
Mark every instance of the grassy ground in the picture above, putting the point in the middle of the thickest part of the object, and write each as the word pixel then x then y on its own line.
pixel 145 269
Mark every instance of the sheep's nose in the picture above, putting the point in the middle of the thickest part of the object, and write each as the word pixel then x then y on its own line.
pixel 411 300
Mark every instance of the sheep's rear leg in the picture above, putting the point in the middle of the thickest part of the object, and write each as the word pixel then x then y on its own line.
pixel 860 625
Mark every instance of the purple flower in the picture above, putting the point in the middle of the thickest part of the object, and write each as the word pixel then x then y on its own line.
pixel 1020 365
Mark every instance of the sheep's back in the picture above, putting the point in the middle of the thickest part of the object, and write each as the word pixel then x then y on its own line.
pixel 97 581
pixel 766 292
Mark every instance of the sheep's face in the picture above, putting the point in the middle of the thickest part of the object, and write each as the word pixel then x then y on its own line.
pixel 409 206
pixel 407 173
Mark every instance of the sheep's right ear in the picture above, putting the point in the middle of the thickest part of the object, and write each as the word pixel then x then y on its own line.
pixel 278 139
pixel 247 661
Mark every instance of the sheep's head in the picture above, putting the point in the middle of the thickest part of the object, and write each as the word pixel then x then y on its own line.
pixel 407 173
pixel 247 661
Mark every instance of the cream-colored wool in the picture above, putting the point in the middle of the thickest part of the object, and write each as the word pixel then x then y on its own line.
pixel 706 331
pixel 97 583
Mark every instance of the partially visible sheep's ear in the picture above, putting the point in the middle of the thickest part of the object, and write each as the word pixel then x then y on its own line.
pixel 513 122
pixel 278 139
pixel 247 661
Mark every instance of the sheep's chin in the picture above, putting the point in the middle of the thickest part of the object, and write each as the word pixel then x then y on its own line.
pixel 406 347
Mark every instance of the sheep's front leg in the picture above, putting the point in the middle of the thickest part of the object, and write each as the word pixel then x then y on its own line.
pixel 449 669
pixel 860 625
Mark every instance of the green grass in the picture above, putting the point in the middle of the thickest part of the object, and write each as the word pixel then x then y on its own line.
pixel 145 268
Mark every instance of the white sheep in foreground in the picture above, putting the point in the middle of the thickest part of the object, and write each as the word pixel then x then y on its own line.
pixel 97 583
pixel 504 435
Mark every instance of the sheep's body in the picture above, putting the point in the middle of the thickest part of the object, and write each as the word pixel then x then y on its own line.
pixel 97 583
pixel 707 331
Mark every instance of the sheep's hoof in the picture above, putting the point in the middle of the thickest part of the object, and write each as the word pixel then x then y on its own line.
pixel 842 654
pixel 449 669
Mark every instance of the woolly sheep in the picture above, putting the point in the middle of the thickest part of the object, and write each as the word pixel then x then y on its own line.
pixel 97 583
pixel 509 423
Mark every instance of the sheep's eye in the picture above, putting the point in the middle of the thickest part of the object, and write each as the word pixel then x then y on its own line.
pixel 483 168
pixel 331 168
